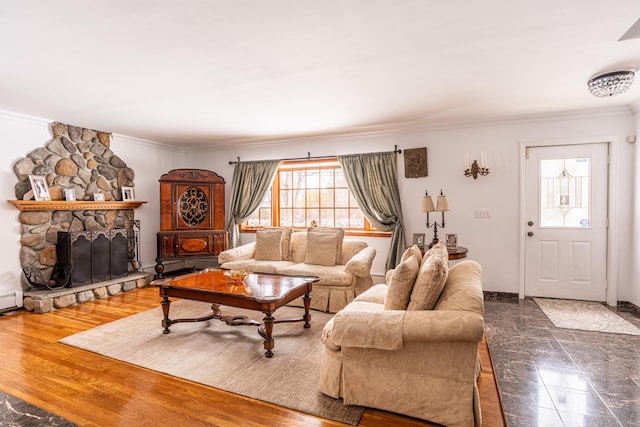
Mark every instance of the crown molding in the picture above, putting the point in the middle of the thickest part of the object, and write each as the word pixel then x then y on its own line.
pixel 10 115
pixel 421 125
pixel 531 118
pixel 355 132
pixel 147 142
pixel 261 141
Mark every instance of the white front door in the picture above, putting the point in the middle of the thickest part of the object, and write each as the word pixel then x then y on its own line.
pixel 566 221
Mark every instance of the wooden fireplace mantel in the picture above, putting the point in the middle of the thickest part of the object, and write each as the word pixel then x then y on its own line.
pixel 79 205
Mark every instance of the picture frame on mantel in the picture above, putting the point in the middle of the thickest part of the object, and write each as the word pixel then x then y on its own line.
pixel 128 194
pixel 69 194
pixel 40 188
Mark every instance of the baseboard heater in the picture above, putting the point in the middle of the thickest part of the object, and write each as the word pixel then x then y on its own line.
pixel 10 301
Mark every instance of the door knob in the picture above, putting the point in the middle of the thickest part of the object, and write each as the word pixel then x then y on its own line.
pixel 530 223
pixel 530 233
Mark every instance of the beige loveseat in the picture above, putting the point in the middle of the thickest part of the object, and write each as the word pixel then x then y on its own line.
pixel 343 265
pixel 419 361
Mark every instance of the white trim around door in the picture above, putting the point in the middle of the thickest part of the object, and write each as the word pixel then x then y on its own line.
pixel 612 233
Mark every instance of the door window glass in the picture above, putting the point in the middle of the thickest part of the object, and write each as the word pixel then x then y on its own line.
pixel 565 193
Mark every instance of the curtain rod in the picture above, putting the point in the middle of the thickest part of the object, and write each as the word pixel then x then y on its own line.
pixel 233 162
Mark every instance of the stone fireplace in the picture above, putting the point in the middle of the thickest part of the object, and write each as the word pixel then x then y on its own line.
pixel 79 159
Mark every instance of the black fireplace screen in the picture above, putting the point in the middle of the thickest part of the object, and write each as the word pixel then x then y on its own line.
pixel 94 256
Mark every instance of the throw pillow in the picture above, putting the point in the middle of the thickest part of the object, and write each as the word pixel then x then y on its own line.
pixel 433 249
pixel 324 246
pixel 401 284
pixel 269 245
pixel 431 279
pixel 428 253
pixel 286 241
pixel 337 232
pixel 412 250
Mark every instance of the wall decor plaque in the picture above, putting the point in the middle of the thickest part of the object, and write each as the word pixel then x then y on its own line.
pixel 415 162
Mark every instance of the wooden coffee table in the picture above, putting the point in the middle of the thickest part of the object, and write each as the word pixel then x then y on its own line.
pixel 259 291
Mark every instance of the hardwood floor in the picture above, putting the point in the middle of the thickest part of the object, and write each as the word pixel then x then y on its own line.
pixel 92 390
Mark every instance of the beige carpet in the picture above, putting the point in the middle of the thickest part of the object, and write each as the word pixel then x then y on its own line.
pixel 230 358
pixel 584 315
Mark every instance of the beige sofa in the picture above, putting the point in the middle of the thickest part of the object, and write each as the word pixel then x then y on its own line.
pixel 348 276
pixel 418 362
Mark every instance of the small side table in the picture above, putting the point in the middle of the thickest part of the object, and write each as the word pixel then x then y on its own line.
pixel 454 253
pixel 457 253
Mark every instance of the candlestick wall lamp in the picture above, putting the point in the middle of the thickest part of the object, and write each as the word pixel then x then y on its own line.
pixel 474 170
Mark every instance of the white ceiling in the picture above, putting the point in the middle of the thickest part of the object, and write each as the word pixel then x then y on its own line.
pixel 217 72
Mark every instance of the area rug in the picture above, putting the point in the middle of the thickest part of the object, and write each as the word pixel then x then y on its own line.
pixel 230 358
pixel 584 315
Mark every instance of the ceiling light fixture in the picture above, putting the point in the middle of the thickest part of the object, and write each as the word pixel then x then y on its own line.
pixel 610 84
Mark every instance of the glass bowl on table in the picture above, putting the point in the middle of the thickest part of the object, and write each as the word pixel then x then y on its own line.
pixel 237 276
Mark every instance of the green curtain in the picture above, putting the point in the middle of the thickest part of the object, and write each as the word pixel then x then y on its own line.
pixel 373 181
pixel 251 181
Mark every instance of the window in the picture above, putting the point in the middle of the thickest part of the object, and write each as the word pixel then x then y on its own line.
pixel 310 192
pixel 565 192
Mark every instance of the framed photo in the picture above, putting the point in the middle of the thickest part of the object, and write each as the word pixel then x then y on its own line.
pixel 39 186
pixel 452 241
pixel 69 194
pixel 127 194
pixel 418 239
pixel 98 197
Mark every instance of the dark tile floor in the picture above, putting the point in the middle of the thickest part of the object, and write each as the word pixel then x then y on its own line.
pixel 562 377
pixel 18 413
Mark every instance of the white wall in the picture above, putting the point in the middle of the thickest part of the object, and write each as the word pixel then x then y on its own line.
pixel 493 242
pixel 21 134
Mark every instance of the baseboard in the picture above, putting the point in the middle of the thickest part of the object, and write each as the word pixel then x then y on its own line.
pixel 625 306
pixel 501 296
pixel 10 301
pixel 629 307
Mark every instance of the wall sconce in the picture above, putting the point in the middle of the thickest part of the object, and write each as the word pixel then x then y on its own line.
pixel 476 170
pixel 442 205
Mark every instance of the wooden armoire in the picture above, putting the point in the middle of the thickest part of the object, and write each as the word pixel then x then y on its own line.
pixel 192 217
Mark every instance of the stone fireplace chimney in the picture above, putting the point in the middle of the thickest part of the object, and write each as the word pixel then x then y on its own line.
pixel 79 159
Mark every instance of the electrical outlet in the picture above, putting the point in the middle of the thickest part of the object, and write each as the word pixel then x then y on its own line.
pixel 482 213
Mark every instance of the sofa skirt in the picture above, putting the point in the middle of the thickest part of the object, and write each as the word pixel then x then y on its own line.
pixel 327 299
pixel 331 373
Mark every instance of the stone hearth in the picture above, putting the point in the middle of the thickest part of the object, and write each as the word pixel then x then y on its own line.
pixel 46 300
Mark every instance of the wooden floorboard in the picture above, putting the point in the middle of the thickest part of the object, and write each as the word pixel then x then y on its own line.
pixel 93 390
